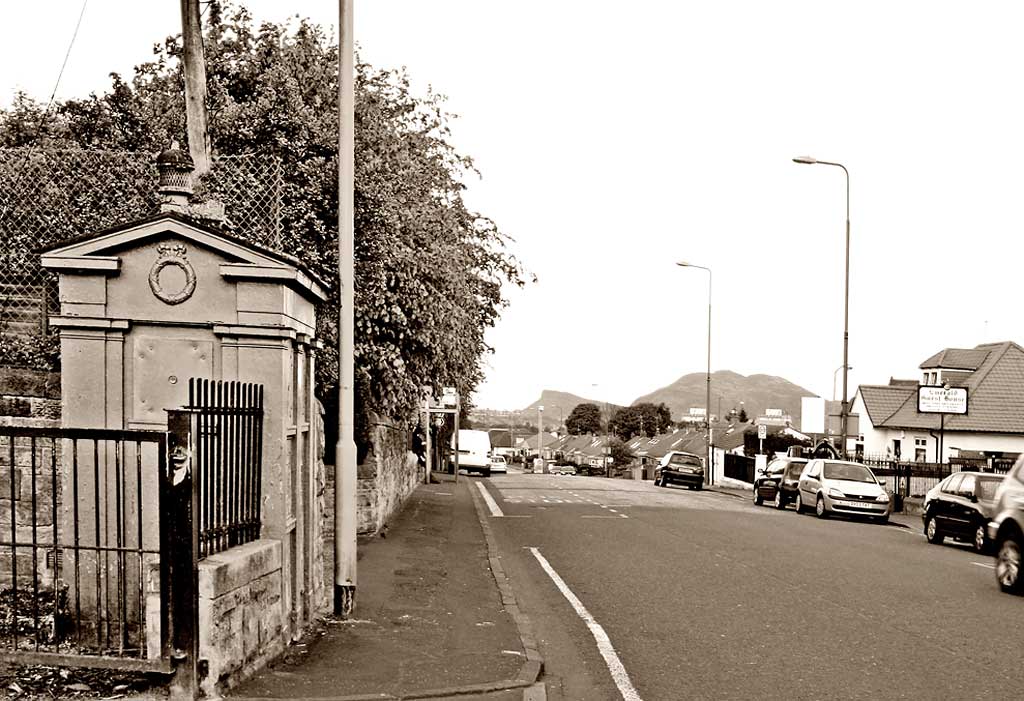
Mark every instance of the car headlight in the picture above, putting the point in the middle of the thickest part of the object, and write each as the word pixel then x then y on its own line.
pixel 833 492
pixel 884 498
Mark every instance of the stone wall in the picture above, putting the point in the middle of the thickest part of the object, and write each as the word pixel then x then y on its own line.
pixel 241 613
pixel 386 478
pixel 29 397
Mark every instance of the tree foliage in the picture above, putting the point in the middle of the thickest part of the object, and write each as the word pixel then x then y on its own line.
pixel 641 419
pixel 429 271
pixel 620 453
pixel 583 419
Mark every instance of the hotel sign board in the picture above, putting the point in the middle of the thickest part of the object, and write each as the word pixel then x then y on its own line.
pixel 941 400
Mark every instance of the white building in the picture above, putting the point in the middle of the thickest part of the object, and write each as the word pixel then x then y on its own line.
pixel 992 428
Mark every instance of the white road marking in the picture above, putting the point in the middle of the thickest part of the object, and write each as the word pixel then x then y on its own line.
pixel 984 564
pixel 491 504
pixel 604 643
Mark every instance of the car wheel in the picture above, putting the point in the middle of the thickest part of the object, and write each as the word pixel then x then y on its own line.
pixel 779 502
pixel 699 486
pixel 931 531
pixel 1008 564
pixel 799 503
pixel 882 519
pixel 757 498
pixel 819 507
pixel 980 539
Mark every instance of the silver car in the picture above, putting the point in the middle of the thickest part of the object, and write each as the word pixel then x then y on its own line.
pixel 840 487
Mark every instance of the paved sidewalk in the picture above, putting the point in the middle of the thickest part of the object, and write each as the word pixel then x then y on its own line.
pixel 432 619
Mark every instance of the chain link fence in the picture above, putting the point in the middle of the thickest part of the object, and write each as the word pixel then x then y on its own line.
pixel 48 197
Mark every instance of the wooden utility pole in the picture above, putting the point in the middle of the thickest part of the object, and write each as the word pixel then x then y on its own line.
pixel 345 521
pixel 195 87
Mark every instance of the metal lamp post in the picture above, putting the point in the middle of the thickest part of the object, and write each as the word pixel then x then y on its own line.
pixel 808 160
pixel 834 373
pixel 540 428
pixel 707 396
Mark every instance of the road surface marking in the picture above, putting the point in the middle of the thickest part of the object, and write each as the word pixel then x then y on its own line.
pixel 491 504
pixel 604 644
pixel 984 564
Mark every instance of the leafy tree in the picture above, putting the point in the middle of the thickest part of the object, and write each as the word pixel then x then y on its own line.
pixel 429 271
pixel 584 418
pixel 620 453
pixel 641 419
pixel 777 443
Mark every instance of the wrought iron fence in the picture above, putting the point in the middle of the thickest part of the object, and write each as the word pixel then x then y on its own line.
pixel 51 196
pixel 228 454
pixel 81 580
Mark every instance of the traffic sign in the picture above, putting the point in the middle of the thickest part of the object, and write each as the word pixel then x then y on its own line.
pixel 762 431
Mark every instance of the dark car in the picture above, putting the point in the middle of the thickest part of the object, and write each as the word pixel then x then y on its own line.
pixel 1006 529
pixel 681 468
pixel 778 482
pixel 960 507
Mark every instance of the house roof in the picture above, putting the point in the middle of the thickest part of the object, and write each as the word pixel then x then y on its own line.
pixel 546 440
pixel 995 394
pixel 732 437
pixel 957 359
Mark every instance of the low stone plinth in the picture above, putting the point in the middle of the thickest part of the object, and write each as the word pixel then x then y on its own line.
pixel 240 613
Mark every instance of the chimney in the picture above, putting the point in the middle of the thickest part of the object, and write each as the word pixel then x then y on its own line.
pixel 175 184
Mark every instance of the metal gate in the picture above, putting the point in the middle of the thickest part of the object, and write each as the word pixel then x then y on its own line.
pixel 101 532
pixel 81 579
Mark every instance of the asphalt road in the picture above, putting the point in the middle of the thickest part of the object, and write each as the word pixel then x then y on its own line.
pixel 703 595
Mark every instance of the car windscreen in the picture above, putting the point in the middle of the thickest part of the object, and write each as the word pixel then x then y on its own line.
pixel 679 459
pixel 847 471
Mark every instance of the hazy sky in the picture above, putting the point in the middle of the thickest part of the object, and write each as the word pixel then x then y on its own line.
pixel 617 138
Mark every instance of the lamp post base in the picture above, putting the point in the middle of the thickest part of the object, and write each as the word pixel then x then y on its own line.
pixel 344 600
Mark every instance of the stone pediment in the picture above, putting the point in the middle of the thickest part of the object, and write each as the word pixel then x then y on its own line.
pixel 103 253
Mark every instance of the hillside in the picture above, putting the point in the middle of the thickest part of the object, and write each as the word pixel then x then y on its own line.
pixel 728 389
pixel 557 405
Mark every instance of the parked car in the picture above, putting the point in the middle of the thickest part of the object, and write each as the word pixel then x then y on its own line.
pixel 1006 529
pixel 841 487
pixel 960 507
pixel 499 464
pixel 778 483
pixel 682 468
pixel 566 469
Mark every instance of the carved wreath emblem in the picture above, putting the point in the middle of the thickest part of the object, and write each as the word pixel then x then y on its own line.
pixel 172 255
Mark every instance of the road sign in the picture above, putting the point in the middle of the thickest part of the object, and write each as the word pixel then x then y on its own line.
pixel 762 431
pixel 941 400
pixel 450 396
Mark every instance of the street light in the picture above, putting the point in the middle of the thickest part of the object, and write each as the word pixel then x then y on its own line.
pixel 834 373
pixel 540 428
pixel 808 160
pixel 707 396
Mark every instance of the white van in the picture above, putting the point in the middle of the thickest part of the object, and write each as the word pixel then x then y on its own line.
pixel 474 451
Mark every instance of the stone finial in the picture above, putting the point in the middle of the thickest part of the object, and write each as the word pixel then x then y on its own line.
pixel 175 184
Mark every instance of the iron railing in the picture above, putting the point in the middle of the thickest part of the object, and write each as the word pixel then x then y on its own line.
pixel 81 580
pixel 228 455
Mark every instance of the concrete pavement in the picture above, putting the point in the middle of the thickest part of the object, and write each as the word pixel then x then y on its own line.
pixel 435 617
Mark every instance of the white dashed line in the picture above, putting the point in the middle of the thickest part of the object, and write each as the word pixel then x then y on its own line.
pixel 604 643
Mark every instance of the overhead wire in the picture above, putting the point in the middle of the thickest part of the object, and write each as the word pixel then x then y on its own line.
pixel 53 95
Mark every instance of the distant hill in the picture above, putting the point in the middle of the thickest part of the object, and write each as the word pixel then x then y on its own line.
pixel 557 405
pixel 728 389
